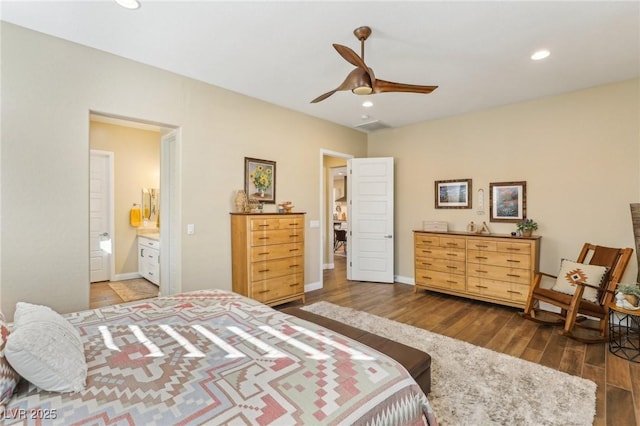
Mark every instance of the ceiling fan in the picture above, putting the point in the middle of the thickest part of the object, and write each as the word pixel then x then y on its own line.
pixel 361 80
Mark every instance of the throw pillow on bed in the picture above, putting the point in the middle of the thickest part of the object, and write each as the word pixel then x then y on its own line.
pixel 8 376
pixel 46 349
pixel 572 272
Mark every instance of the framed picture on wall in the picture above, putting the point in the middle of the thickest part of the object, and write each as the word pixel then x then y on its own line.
pixel 508 201
pixel 453 194
pixel 260 180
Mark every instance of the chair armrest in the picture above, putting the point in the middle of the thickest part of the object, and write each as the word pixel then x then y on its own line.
pixel 547 275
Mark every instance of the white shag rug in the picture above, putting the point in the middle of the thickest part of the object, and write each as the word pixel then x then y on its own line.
pixel 471 385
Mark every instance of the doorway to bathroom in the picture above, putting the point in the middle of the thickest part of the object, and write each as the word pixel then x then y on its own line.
pixel 145 160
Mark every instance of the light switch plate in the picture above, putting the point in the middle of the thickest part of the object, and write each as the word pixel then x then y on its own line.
pixel 314 224
pixel 191 229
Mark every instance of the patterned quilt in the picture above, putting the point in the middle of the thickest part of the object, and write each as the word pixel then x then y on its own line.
pixel 215 357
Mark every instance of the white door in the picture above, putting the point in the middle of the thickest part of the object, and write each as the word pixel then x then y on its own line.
pixel 370 219
pixel 100 205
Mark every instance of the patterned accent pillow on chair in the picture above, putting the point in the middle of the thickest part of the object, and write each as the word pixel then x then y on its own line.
pixel 572 272
pixel 8 376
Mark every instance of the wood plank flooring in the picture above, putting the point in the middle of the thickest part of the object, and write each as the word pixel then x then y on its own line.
pixel 498 328
pixel 100 294
pixel 494 327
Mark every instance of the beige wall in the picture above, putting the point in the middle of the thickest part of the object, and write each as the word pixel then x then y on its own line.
pixel 137 166
pixel 48 88
pixel 578 153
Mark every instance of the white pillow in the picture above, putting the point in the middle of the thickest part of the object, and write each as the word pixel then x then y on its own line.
pixel 46 349
pixel 571 272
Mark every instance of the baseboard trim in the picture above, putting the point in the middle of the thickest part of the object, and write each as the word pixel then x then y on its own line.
pixel 404 280
pixel 127 276
pixel 329 266
pixel 312 286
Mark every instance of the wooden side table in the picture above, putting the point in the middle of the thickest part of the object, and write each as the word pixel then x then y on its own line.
pixel 624 333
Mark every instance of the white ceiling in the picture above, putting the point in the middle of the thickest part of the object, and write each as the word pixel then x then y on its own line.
pixel 476 52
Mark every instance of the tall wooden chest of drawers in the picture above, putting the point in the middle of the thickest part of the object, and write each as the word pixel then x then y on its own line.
pixel 493 268
pixel 267 255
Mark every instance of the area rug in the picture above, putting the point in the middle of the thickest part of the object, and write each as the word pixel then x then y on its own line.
pixel 477 386
pixel 131 290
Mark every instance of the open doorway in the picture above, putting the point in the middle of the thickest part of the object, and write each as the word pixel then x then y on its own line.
pixel 142 164
pixel 334 216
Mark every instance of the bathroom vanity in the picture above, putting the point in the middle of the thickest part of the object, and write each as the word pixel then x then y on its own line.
pixel 149 257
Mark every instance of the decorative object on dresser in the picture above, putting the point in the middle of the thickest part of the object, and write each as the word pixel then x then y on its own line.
pixel 268 256
pixel 494 268
pixel 595 305
pixel 149 258
pixel 434 226
pixel 526 227
pixel 508 201
pixel 453 194
pixel 260 180
pixel 240 202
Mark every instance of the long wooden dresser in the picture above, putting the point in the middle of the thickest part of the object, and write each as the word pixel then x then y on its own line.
pixel 268 256
pixel 491 267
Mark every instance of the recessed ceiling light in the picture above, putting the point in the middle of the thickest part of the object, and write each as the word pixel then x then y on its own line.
pixel 367 104
pixel 540 54
pixel 129 4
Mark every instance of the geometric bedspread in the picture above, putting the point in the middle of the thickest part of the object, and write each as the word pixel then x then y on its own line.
pixel 215 357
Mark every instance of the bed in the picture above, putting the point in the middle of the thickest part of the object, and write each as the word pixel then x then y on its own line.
pixel 216 357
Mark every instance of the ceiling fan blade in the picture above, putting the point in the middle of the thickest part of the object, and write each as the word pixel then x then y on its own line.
pixel 382 86
pixel 353 58
pixel 353 80
pixel 324 96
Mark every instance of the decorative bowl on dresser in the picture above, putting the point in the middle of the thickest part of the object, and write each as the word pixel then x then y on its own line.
pixel 491 267
pixel 267 255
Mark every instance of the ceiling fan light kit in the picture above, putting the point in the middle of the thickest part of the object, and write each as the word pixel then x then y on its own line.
pixel 362 81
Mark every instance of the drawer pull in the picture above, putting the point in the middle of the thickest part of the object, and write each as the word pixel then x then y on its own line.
pixel 452 282
pixel 294 249
pixel 263 291
pixel 513 275
pixel 452 267
pixel 263 238
pixel 264 270
pixel 425 263
pixel 514 261
pixel 481 257
pixel 264 225
pixel 426 251
pixel 452 244
pixel 513 249
pixel 514 292
pixel 427 278
pixel 294 266
pixel 294 285
pixel 293 236
pixel 452 254
pixel 481 286
pixel 481 271
pixel 481 246
pixel 264 253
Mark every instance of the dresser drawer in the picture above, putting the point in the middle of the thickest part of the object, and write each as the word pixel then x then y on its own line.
pixel 453 242
pixel 509 260
pixel 293 222
pixel 148 242
pixel 277 236
pixel 275 288
pixel 276 251
pixel 520 276
pixel 264 223
pixel 514 247
pixel 441 253
pixel 276 268
pixel 440 279
pixel 441 265
pixel 498 289
pixel 482 245
pixel 427 240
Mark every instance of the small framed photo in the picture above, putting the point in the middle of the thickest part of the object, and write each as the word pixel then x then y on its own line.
pixel 260 180
pixel 453 194
pixel 508 201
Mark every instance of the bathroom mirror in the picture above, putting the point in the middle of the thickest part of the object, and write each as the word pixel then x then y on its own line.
pixel 150 204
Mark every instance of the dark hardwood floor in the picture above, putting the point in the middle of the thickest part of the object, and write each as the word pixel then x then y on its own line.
pixel 491 326
pixel 498 328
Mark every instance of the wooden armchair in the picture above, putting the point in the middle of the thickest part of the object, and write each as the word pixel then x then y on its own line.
pixel 573 305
